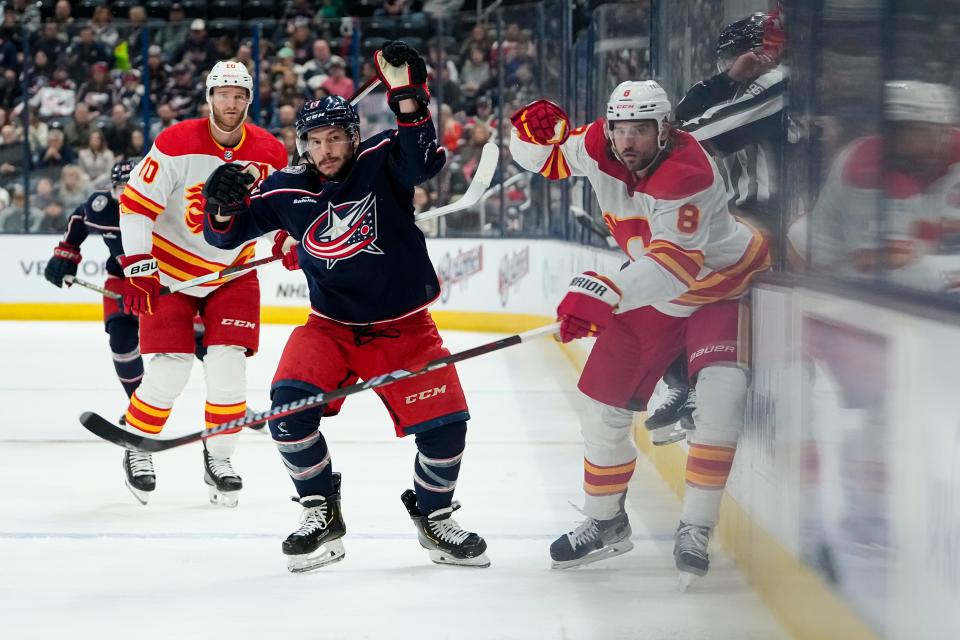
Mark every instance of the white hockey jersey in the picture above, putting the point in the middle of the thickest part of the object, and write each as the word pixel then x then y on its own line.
pixel 161 208
pixel 685 247
pixel 919 243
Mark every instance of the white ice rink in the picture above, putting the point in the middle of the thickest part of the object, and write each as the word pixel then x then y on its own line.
pixel 80 558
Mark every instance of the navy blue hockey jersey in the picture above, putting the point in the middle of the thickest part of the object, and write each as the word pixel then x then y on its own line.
pixel 101 214
pixel 364 258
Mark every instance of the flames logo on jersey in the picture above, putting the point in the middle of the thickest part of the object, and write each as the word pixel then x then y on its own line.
pixel 193 211
pixel 344 231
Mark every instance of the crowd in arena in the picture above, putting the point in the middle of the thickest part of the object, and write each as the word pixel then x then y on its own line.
pixel 80 77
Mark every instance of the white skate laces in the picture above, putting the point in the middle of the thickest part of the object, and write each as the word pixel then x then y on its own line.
pixel 447 529
pixel 693 539
pixel 141 464
pixel 585 532
pixel 312 519
pixel 673 394
pixel 221 467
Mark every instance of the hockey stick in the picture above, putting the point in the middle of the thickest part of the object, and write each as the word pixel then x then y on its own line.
pixel 93 287
pixel 105 429
pixel 482 177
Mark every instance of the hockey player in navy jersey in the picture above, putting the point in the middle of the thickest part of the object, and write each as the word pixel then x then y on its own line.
pixel 101 214
pixel 350 204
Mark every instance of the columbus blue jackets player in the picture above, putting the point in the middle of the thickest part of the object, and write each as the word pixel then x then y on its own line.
pixel 101 214
pixel 350 204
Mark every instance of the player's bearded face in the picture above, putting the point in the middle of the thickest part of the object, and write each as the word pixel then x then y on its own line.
pixel 330 149
pixel 918 147
pixel 229 105
pixel 635 142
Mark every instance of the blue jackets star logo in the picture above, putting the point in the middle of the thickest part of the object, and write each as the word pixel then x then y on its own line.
pixel 344 231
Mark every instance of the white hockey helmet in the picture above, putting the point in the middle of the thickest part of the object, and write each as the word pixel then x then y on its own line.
pixel 916 101
pixel 640 100
pixel 227 73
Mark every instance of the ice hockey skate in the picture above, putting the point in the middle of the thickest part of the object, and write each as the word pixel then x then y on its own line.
pixel 591 541
pixel 668 413
pixel 318 541
pixel 442 536
pixel 686 411
pixel 222 481
pixel 690 553
pixel 140 476
pixel 667 435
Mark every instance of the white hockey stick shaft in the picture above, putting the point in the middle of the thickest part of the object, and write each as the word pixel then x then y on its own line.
pixel 482 178
pixel 71 280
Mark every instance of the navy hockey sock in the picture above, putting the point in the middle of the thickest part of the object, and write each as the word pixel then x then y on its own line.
pixel 125 348
pixel 302 446
pixel 437 465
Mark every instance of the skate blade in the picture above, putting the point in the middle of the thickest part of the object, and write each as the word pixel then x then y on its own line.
pixel 329 553
pixel 611 551
pixel 228 499
pixel 667 437
pixel 141 496
pixel 439 557
pixel 686 578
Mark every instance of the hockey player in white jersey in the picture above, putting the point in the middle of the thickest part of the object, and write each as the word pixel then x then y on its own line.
pixel 162 226
pixel 689 262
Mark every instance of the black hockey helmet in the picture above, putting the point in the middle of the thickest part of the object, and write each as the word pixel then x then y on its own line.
pixel 739 37
pixel 120 173
pixel 325 112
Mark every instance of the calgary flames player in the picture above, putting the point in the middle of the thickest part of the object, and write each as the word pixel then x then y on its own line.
pixel 690 260
pixel 162 226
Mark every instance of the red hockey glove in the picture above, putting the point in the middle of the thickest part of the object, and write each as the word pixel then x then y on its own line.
pixel 64 262
pixel 284 245
pixel 587 308
pixel 141 283
pixel 541 122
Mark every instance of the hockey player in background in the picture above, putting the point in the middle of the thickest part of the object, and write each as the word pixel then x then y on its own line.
pixel 101 214
pixel 350 204
pixel 689 262
pixel 162 224
pixel 740 116
pixel 914 175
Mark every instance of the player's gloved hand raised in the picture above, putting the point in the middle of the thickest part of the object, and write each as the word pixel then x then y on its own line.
pixel 226 188
pixel 588 306
pixel 402 69
pixel 64 263
pixel 286 245
pixel 541 122
pixel 141 283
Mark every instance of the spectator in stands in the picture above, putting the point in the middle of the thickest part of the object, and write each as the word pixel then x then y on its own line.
pixel 166 117
pixel 130 93
pixel 479 39
pixel 288 136
pixel 316 89
pixel 97 91
pixel 474 72
pixel 9 53
pixel 84 53
pixel 451 130
pixel 281 64
pixel 118 131
pixel 77 130
pixel 337 82
pixel 508 45
pixel 184 94
pixel 42 71
pixel 74 187
pixel 367 72
pixel 134 41
pixel 392 8
pixel 51 43
pixel 12 216
pixel 301 40
pixel 96 159
pixel 136 146
pixel 286 117
pixel 174 33
pixel 468 155
pixel 289 88
pixel 56 152
pixel 316 65
pixel 103 30
pixel 524 88
pixel 437 58
pixel 297 8
pixel 51 219
pixel 61 15
pixel 10 89
pixel 57 99
pixel 421 202
pixel 160 73
pixel 37 131
pixel 445 89
pixel 245 55
pixel 483 113
pixel 197 51
pixel 267 103
pixel 11 152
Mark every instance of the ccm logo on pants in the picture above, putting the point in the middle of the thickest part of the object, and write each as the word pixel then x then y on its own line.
pixel 424 395
pixel 243 324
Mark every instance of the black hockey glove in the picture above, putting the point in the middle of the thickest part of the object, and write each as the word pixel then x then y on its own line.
pixel 227 185
pixel 402 69
pixel 64 263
